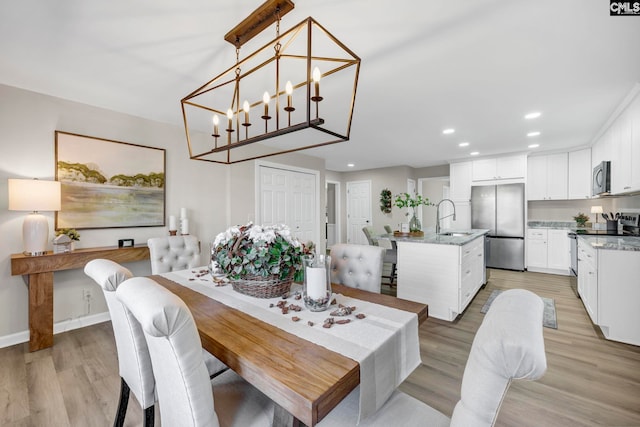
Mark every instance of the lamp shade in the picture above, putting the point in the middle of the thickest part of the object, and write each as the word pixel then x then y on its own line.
pixel 596 209
pixel 34 195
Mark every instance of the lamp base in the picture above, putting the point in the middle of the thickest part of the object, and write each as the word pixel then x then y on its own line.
pixel 35 233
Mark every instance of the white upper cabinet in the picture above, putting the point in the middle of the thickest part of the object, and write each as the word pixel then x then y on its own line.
pixel 511 167
pixel 579 185
pixel 626 150
pixel 460 181
pixel 620 144
pixel 547 177
pixel 635 143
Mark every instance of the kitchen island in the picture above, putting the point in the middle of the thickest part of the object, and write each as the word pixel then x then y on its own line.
pixel 443 270
pixel 608 271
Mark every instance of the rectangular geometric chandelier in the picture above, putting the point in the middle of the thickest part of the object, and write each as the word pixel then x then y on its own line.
pixel 294 93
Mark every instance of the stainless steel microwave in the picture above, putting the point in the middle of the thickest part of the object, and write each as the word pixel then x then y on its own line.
pixel 602 178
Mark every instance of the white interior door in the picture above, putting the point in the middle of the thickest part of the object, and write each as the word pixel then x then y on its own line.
pixel 273 196
pixel 289 197
pixel 303 206
pixel 358 211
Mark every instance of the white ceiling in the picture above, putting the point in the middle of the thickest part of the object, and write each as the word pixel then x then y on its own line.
pixel 477 66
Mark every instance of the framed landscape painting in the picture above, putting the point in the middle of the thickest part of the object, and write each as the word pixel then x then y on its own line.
pixel 108 184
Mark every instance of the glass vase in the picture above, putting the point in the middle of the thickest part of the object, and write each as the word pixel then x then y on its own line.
pixel 316 289
pixel 414 223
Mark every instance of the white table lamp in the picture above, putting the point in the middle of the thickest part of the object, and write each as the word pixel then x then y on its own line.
pixel 34 195
pixel 596 210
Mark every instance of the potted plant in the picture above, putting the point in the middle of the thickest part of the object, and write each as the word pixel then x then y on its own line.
pixel 404 200
pixel 385 201
pixel 581 219
pixel 260 261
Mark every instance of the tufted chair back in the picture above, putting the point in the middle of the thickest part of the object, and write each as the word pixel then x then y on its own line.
pixel 182 380
pixel 357 266
pixel 509 345
pixel 185 394
pixel 133 356
pixel 173 253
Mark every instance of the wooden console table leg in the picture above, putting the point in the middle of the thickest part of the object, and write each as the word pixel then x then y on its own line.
pixel 40 310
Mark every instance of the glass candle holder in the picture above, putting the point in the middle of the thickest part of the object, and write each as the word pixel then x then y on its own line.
pixel 316 289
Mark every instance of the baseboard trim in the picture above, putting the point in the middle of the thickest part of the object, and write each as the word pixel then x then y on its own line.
pixel 59 327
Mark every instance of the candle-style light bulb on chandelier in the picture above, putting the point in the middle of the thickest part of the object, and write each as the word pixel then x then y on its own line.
pixel 307 75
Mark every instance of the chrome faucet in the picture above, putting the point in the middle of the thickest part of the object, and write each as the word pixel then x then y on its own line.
pixel 438 213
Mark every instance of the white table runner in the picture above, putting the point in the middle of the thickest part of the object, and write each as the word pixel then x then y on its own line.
pixel 385 343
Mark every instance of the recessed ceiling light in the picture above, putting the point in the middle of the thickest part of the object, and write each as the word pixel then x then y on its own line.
pixel 534 145
pixel 474 153
pixel 448 131
pixel 350 165
pixel 533 115
pixel 463 144
pixel 536 133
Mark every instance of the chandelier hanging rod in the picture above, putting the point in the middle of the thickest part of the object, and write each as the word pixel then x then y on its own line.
pixel 261 18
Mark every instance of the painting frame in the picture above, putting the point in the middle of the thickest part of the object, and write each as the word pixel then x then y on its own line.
pixel 109 184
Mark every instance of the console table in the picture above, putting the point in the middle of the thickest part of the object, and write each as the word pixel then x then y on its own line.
pixel 38 272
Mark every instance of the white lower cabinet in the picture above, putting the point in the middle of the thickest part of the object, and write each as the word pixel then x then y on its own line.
pixel 588 278
pixel 608 286
pixel 548 251
pixel 446 277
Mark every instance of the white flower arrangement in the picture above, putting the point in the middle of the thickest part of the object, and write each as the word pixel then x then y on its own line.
pixel 255 250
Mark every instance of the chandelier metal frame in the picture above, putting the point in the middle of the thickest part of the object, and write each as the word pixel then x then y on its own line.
pixel 238 146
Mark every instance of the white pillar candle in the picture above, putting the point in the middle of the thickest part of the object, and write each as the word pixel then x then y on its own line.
pixel 172 223
pixel 316 282
pixel 184 226
pixel 183 212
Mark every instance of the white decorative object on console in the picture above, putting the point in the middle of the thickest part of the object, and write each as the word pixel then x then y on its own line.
pixel 34 195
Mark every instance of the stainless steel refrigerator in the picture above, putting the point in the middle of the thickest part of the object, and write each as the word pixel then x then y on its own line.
pixel 500 208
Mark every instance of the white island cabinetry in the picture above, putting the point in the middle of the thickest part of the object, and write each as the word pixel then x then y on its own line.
pixel 608 271
pixel 444 276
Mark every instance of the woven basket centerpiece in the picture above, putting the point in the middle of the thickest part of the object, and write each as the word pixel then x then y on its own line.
pixel 260 261
pixel 262 287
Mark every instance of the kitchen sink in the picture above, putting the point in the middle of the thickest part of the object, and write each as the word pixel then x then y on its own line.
pixel 456 233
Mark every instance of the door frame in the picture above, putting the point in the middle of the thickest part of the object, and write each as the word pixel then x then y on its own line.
pixel 338 207
pixel 257 186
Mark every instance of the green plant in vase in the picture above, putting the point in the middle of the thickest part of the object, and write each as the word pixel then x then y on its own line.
pixel 581 219
pixel 404 200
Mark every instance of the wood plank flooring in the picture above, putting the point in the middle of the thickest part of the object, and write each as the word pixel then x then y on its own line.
pixel 589 382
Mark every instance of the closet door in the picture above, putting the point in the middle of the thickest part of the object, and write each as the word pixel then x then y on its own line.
pixel 289 197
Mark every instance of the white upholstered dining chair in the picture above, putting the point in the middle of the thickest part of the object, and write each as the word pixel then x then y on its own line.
pixel 186 396
pixel 171 253
pixel 357 266
pixel 133 355
pixel 508 346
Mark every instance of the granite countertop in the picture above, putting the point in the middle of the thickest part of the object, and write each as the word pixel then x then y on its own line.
pixel 440 239
pixel 556 225
pixel 616 243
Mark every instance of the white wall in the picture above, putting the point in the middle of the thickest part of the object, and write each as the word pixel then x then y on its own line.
pixel 214 195
pixel 565 210
pixel 393 178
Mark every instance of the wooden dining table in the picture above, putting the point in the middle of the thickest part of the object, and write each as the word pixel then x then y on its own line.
pixel 306 380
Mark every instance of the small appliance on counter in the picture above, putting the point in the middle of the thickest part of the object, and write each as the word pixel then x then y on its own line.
pixel 630 223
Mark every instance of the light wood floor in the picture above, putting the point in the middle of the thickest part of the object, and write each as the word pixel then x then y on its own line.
pixel 589 381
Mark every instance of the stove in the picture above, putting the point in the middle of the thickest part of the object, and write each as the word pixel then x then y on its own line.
pixel 630 227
